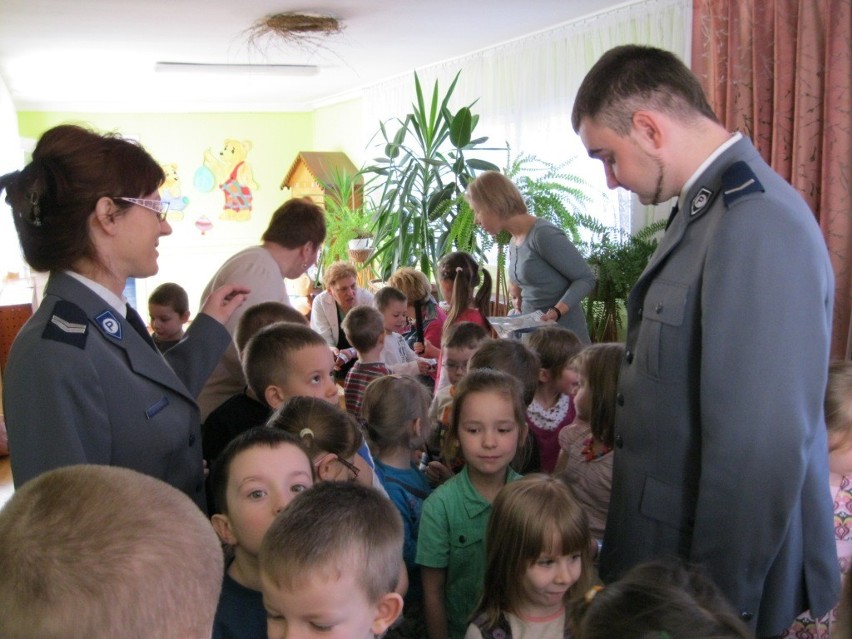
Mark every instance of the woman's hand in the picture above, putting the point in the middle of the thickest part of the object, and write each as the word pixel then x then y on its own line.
pixel 222 302
pixel 555 312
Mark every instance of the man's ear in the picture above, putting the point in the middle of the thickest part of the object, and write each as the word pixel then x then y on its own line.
pixel 222 526
pixel 648 128
pixel 388 609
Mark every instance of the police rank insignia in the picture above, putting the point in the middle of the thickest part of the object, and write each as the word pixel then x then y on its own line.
pixel 68 324
pixel 109 324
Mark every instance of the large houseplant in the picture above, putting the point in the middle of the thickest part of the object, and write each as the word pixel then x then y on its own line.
pixel 347 216
pixel 419 180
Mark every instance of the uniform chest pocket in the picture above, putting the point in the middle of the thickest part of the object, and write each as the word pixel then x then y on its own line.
pixel 663 313
pixel 467 546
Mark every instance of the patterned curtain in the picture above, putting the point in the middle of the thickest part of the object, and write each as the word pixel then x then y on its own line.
pixel 779 70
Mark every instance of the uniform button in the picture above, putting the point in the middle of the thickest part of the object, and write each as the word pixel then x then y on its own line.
pixel 462 539
pixel 629 357
pixel 658 308
pixel 746 616
pixel 191 439
pixel 619 442
pixel 619 399
pixel 640 312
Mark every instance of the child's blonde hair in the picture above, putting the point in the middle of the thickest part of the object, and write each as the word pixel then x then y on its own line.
pixel 390 405
pixel 838 403
pixel 321 427
pixel 413 284
pixel 485 381
pixel 532 516
pixel 103 551
pixel 599 365
pixel 335 527
pixel 460 268
pixel 555 347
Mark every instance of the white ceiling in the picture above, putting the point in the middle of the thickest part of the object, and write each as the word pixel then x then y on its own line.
pixel 99 55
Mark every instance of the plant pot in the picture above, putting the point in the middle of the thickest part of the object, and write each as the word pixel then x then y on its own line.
pixel 360 249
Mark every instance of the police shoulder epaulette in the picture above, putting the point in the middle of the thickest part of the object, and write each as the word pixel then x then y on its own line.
pixel 68 324
pixel 739 180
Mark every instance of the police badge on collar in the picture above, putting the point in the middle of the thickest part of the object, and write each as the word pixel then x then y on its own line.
pixel 700 201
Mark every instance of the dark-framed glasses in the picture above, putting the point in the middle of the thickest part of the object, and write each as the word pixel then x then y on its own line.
pixel 352 468
pixel 157 206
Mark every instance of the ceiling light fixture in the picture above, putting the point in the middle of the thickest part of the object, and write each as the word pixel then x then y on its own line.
pixel 237 69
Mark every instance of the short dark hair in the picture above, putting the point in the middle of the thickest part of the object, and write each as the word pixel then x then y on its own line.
pixel 267 353
pixel 295 223
pixel 633 77
pixel 463 335
pixel 386 295
pixel 54 195
pixel 512 357
pixel 260 315
pixel 172 295
pixel 362 326
pixel 257 437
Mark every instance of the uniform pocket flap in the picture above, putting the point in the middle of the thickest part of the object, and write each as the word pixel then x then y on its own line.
pixel 663 502
pixel 665 302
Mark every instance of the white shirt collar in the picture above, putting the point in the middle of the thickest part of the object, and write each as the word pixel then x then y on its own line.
pixel 118 303
pixel 736 137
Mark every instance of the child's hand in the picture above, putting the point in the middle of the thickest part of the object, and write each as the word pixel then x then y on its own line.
pixel 436 473
pixel 425 366
pixel 419 348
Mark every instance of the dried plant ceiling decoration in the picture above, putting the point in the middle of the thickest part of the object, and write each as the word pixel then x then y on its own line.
pixel 293 28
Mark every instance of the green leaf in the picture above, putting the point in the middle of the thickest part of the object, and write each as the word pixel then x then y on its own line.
pixel 461 128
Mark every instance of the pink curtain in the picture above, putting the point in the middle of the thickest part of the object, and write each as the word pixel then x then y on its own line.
pixel 779 71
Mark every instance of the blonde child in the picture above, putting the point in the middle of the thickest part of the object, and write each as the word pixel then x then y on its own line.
pixel 838 420
pixel 397 354
pixel 418 290
pixel 396 412
pixel 254 478
pixel 552 408
pixel 488 426
pixel 660 599
pixel 102 551
pixel 537 561
pixel 585 461
pixel 459 277
pixel 329 565
pixel 168 309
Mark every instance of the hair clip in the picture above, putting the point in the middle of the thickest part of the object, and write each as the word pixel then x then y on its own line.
pixel 591 592
pixel 35 210
pixel 306 432
pixel 459 269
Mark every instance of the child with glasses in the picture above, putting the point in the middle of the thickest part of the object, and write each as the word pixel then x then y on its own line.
pixel 256 476
pixel 330 563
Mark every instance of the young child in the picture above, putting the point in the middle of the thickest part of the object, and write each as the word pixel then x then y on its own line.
pixel 244 410
pixel 517 359
pixel 516 295
pixel 364 327
pixel 585 461
pixel 254 478
pixel 838 420
pixel 168 308
pixel 418 291
pixel 488 425
pixel 459 276
pixel 552 409
pixel 330 436
pixel 329 565
pixel 661 599
pixel 537 561
pixel 101 551
pixel 395 409
pixel 397 354
pixel 460 342
pixel 280 361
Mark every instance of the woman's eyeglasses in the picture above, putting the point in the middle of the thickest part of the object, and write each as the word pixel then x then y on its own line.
pixel 157 206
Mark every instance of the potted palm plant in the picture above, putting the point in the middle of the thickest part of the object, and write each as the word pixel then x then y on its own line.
pixel 349 221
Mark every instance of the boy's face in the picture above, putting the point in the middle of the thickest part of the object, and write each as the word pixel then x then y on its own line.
pixel 166 322
pixel 311 374
pixel 395 318
pixel 455 361
pixel 331 606
pixel 261 482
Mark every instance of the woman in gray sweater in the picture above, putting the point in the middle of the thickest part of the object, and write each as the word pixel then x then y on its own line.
pixel 549 269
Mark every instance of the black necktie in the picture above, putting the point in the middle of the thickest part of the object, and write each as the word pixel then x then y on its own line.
pixel 135 320
pixel 672 216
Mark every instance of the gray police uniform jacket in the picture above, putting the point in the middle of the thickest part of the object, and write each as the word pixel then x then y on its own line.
pixel 720 440
pixel 83 387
